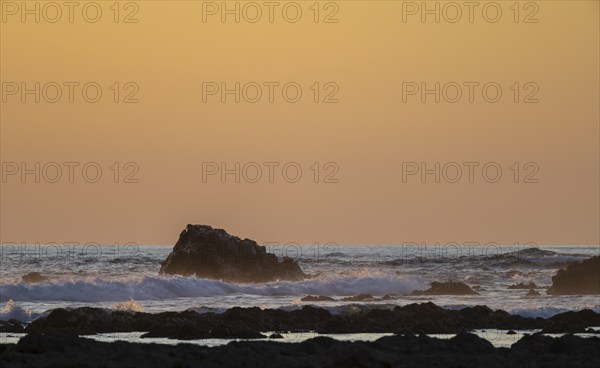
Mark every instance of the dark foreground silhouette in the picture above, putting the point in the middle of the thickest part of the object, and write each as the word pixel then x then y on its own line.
pixel 464 350
pixel 248 323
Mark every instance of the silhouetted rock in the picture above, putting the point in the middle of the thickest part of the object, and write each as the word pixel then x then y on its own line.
pixel 521 285
pixel 34 277
pixel 360 298
pixel 579 278
pixel 446 288
pixel 533 292
pixel 568 350
pixel 318 298
pixel 12 325
pixel 213 253
pixel 463 350
pixel 571 322
pixel 253 322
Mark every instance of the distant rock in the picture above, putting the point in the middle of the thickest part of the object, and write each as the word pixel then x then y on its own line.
pixel 579 278
pixel 446 288
pixel 533 292
pixel 318 298
pixel 34 277
pixel 521 285
pixel 213 253
pixel 360 298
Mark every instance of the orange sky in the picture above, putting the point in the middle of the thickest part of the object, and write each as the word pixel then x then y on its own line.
pixel 368 57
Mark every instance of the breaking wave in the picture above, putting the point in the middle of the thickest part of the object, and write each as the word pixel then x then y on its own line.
pixel 168 287
pixel 12 311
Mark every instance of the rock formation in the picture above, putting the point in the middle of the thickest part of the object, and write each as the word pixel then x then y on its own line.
pixel 579 278
pixel 213 253
pixel 34 277
pixel 463 350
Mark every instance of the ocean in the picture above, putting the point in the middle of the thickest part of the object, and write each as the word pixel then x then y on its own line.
pixel 127 277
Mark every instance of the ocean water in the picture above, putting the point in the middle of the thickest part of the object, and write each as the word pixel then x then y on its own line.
pixel 126 277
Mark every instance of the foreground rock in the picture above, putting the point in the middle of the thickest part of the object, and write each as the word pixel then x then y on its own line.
pixel 213 253
pixel 463 350
pixel 254 322
pixel 12 325
pixel 446 288
pixel 34 277
pixel 579 278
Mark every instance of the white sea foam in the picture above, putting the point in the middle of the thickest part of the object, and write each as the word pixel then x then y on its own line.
pixel 12 311
pixel 168 287
pixel 130 306
pixel 351 270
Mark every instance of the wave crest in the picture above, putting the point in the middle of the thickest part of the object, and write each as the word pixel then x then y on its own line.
pixel 168 287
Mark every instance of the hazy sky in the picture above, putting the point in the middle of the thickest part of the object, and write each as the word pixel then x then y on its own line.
pixel 369 141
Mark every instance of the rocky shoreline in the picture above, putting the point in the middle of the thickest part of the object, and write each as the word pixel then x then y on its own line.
pixel 248 323
pixel 463 350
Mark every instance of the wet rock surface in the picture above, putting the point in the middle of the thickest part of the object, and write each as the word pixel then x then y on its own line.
pixel 213 253
pixel 464 350
pixel 579 278
pixel 426 318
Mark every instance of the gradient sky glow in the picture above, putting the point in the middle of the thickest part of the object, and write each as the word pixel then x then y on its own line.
pixel 368 134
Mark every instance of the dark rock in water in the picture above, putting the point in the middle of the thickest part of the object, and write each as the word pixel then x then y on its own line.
pixel 472 344
pixel 34 277
pixel 252 322
pixel 511 332
pixel 463 350
pixel 389 297
pixel 533 292
pixel 360 298
pixel 37 343
pixel 571 322
pixel 579 278
pixel 275 336
pixel 446 288
pixel 522 285
pixel 213 253
pixel 567 350
pixel 318 298
pixel 12 325
pixel 84 320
